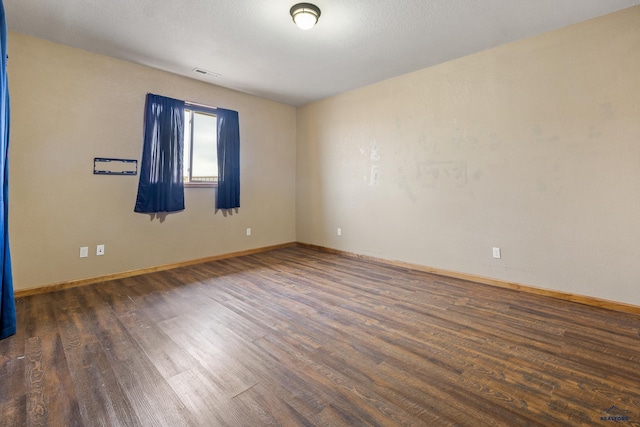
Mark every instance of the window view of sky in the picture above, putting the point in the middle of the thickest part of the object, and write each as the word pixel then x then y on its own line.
pixel 205 162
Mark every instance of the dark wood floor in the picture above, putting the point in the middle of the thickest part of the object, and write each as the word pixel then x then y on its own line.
pixel 298 337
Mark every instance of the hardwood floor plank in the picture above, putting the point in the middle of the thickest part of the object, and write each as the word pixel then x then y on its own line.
pixel 119 294
pixel 272 407
pixel 229 377
pixel 205 401
pixel 13 412
pixel 101 399
pixel 151 397
pixel 36 405
pixel 12 361
pixel 372 410
pixel 41 315
pixel 51 394
pixel 167 357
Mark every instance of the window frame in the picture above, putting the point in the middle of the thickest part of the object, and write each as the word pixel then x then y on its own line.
pixel 203 109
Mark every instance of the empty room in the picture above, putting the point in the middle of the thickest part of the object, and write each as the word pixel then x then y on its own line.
pixel 338 213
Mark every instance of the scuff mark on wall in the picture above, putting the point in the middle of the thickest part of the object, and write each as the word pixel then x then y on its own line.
pixel 375 156
pixel 607 108
pixel 541 137
pixel 541 186
pixel 374 176
pixel 430 147
pixel 403 184
pixel 374 172
pixel 430 173
pixel 594 133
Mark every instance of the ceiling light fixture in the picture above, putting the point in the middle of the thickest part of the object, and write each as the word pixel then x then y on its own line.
pixel 305 15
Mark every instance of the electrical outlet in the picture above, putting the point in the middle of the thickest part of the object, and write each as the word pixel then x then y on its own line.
pixel 100 250
pixel 84 251
pixel 496 253
pixel 339 232
pixel 248 232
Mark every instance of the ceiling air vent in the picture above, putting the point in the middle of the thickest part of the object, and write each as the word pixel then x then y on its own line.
pixel 205 72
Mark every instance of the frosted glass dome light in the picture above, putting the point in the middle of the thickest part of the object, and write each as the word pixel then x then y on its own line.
pixel 305 15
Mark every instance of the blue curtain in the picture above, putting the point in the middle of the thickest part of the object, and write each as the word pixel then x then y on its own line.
pixel 161 187
pixel 7 302
pixel 228 194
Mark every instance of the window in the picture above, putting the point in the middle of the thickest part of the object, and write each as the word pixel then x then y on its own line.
pixel 200 160
pixel 212 135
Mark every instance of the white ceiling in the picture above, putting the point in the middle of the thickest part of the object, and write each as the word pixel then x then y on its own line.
pixel 256 48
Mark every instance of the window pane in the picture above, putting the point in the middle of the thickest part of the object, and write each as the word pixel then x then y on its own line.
pixel 186 160
pixel 205 156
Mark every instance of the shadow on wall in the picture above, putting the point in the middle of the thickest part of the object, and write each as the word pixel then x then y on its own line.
pixel 162 216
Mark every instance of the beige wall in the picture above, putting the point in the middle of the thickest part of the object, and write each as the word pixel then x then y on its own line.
pixel 69 106
pixel 533 147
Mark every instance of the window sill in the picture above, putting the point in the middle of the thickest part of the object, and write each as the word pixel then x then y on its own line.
pixel 200 184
